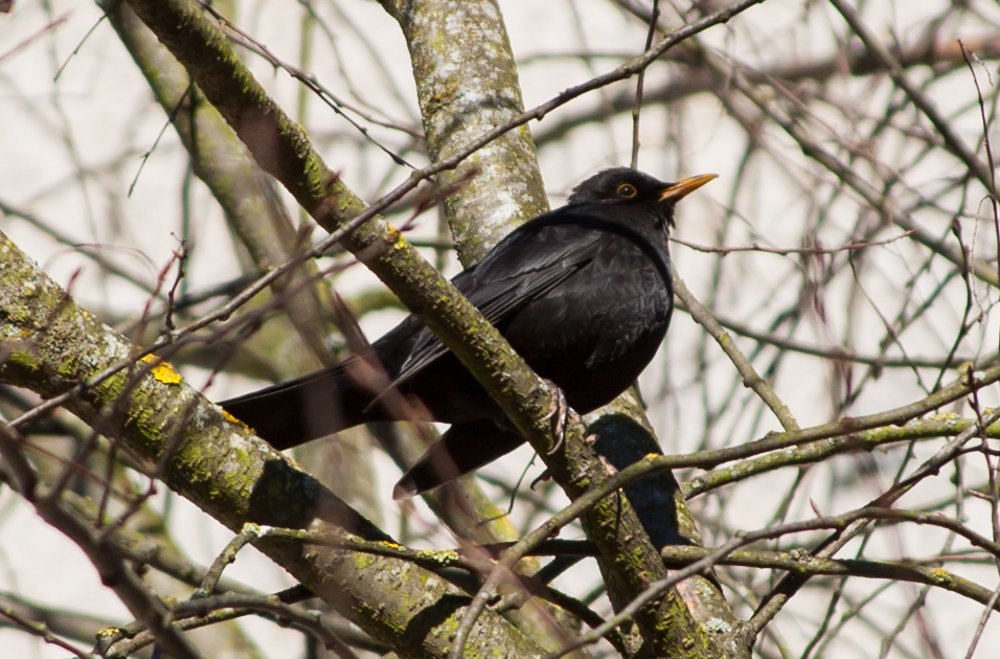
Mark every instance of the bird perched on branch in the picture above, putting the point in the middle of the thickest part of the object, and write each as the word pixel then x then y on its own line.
pixel 582 293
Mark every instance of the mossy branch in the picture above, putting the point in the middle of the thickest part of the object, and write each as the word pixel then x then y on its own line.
pixel 281 148
pixel 50 345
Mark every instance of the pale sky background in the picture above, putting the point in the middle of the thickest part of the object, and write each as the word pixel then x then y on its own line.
pixel 98 117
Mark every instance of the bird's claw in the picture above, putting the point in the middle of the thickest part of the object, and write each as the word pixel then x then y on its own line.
pixel 559 412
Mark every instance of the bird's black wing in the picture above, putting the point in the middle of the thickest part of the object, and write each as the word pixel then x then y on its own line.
pixel 527 264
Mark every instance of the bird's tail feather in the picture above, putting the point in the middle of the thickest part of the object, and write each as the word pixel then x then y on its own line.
pixel 463 448
pixel 309 407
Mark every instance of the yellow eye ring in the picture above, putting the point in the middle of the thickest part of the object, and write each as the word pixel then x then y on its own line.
pixel 626 191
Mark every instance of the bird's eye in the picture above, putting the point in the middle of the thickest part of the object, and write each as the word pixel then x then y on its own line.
pixel 627 191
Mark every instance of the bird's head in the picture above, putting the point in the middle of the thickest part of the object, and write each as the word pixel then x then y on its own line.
pixel 627 187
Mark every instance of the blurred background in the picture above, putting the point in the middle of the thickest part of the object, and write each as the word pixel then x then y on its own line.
pixel 849 247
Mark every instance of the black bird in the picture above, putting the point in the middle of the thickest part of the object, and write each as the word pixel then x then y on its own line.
pixel 583 293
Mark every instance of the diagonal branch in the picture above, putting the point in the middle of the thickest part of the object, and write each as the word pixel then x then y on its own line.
pixel 51 346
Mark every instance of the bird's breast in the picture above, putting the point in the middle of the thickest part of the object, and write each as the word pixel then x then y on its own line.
pixel 595 333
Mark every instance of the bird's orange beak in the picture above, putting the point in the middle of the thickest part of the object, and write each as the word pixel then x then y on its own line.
pixel 685 186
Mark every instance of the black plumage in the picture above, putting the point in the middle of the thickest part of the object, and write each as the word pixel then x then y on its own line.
pixel 583 293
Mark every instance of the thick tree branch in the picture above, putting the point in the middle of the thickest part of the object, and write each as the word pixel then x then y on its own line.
pixel 467 84
pixel 281 147
pixel 52 346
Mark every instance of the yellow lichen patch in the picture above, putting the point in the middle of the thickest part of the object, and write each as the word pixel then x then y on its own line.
pixel 388 545
pixel 395 236
pixel 162 371
pixel 947 419
pixel 443 557
pixel 229 417
pixel 939 575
